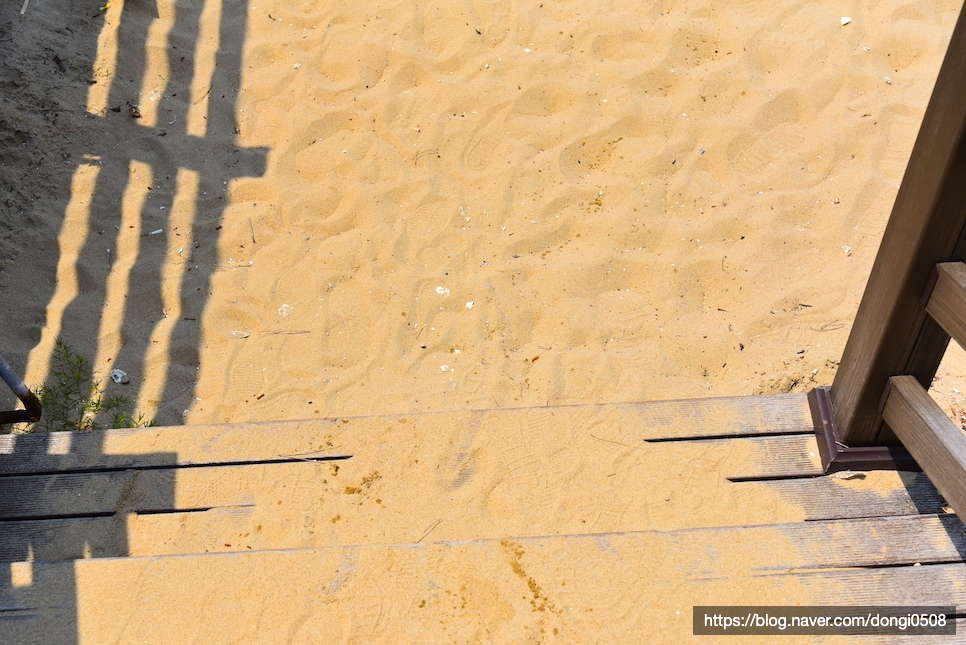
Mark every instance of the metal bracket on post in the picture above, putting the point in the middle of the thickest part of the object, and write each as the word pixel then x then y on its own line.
pixel 836 456
pixel 33 409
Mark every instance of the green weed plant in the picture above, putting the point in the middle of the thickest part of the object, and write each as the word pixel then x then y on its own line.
pixel 73 399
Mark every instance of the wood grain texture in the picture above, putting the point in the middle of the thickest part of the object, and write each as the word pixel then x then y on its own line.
pixel 500 479
pixel 63 539
pixel 929 436
pixel 292 440
pixel 597 521
pixel 892 334
pixel 579 588
pixel 292 525
pixel 560 484
pixel 947 303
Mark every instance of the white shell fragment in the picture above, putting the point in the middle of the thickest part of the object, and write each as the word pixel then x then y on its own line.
pixel 119 376
pixel 443 291
pixel 240 334
pixel 846 20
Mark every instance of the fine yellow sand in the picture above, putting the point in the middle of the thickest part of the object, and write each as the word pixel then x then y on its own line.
pixel 477 205
pixel 269 210
pixel 474 205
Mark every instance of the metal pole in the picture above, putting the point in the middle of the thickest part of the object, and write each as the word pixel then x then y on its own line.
pixel 31 402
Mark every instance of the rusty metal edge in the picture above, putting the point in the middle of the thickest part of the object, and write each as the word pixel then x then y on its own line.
pixel 836 456
pixel 32 408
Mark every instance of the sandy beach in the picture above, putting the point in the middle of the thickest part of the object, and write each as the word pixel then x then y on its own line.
pixel 264 210
pixel 329 209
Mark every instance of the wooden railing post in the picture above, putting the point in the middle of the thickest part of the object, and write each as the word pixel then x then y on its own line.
pixel 892 334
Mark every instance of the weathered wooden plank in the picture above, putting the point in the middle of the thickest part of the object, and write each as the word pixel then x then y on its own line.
pixel 779 457
pixel 556 479
pixel 308 505
pixel 126 491
pixel 947 303
pixel 63 539
pixel 940 584
pixel 821 545
pixel 930 437
pixel 879 494
pixel 285 440
pixel 892 333
pixel 870 542
pixel 862 542
pixel 300 523
pixel 589 588
pixel 166 446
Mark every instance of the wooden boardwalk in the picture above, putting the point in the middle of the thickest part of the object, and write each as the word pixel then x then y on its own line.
pixel 578 524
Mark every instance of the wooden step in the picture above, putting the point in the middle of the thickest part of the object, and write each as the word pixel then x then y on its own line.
pixel 597 523
pixel 460 476
pixel 274 441
pixel 605 587
pixel 292 517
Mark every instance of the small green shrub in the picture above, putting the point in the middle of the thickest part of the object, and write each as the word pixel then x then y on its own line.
pixel 74 400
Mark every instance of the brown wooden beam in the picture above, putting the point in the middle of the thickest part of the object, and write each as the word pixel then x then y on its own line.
pixel 947 302
pixel 930 437
pixel 892 333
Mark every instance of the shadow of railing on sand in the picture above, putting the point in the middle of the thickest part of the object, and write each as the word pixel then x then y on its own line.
pixel 151 165
pixel 173 164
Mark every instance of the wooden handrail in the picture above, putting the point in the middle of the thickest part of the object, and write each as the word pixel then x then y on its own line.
pixel 930 436
pixel 892 334
pixel 930 440
pixel 915 301
pixel 947 301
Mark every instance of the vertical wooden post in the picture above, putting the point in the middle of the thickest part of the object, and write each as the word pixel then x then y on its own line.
pixel 892 334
